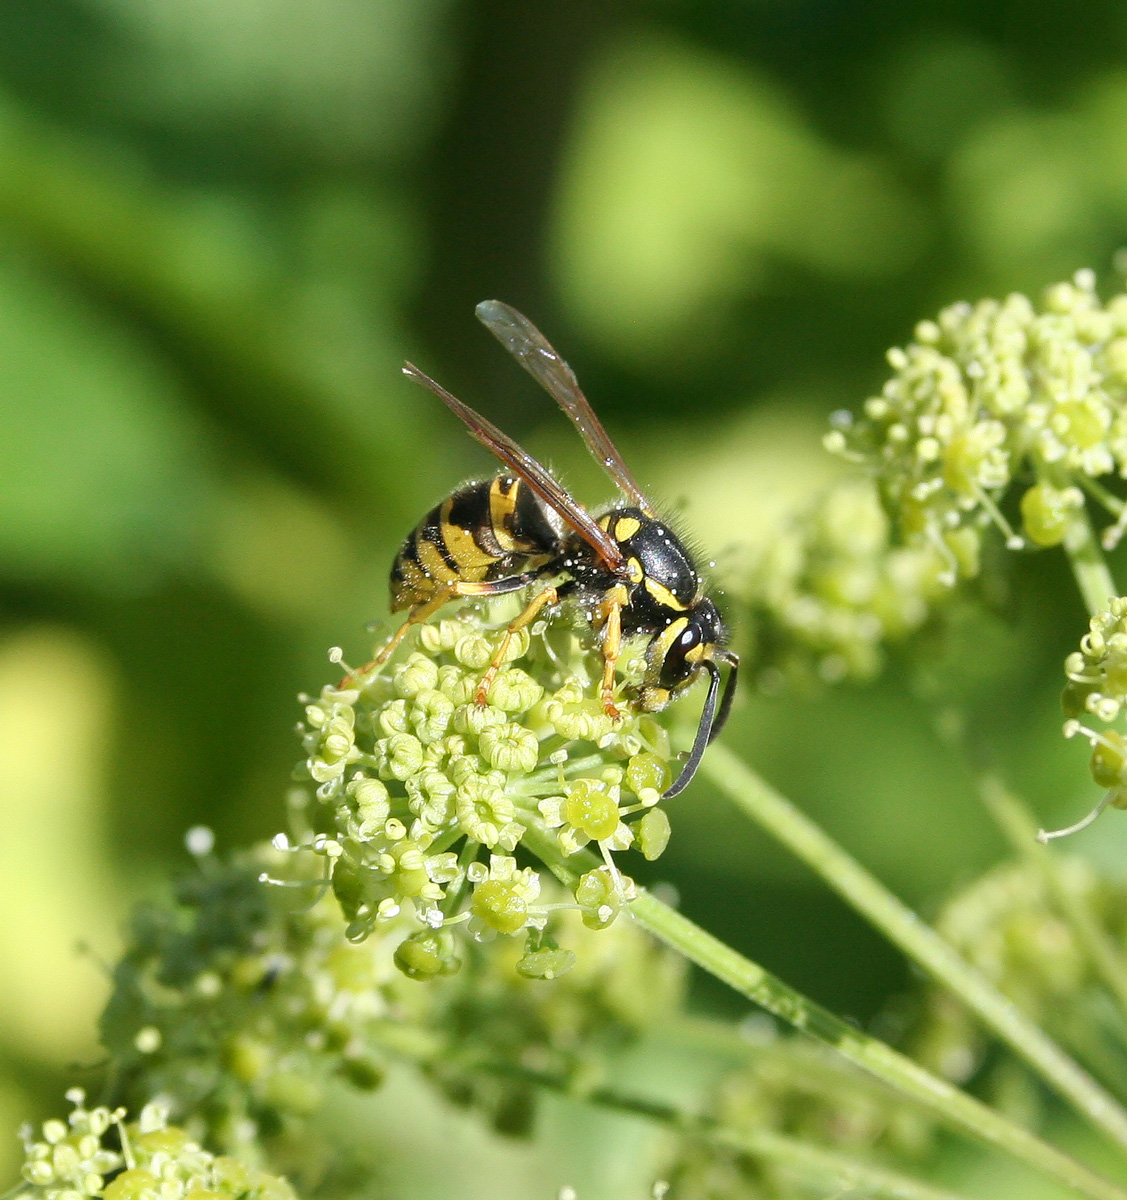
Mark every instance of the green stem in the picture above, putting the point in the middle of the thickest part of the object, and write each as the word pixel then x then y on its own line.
pixel 895 1069
pixel 1088 565
pixel 758 800
pixel 1019 827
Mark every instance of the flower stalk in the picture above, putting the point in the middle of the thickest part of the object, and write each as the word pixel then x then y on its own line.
pixel 908 1078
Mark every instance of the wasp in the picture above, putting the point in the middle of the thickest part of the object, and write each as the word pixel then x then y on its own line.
pixel 628 571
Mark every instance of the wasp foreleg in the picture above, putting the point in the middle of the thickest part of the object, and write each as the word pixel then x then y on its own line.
pixel 611 641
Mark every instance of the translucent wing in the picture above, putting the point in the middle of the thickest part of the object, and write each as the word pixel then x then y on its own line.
pixel 535 475
pixel 535 353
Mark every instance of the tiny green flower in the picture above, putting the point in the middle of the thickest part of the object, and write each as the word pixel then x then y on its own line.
pixel 427 954
pixel 503 896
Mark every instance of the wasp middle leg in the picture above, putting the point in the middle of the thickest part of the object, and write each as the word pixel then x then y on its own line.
pixel 548 596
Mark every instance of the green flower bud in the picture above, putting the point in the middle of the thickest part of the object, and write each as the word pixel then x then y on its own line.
pixel 401 755
pixel 647 776
pixel 599 898
pixel 427 954
pixel 546 964
pixel 590 810
pixel 1048 513
pixel 431 712
pixel 417 674
pixel 653 833
pixel 1109 756
pixel 510 747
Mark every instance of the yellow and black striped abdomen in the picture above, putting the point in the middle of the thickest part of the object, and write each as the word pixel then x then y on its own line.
pixel 484 531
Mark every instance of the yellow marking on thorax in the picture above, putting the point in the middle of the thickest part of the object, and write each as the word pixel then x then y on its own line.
pixel 502 505
pixel 626 528
pixel 604 522
pixel 635 569
pixel 663 595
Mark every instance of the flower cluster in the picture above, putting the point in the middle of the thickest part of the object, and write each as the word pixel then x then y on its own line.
pixel 150 1161
pixel 423 795
pixel 1097 687
pixel 797 1088
pixel 832 590
pixel 249 1013
pixel 994 394
pixel 1008 928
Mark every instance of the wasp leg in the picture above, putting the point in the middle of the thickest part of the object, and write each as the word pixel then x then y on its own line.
pixel 611 646
pixel 548 596
pixel 422 612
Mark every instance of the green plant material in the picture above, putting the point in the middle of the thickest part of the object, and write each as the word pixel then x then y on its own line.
pixel 926 947
pixel 151 1160
pixel 749 979
pixel 1008 926
pixel 244 1011
pixel 832 590
pixel 1097 688
pixel 797 1090
pixel 1060 879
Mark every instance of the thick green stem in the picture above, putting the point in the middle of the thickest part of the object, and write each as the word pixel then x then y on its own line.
pixel 757 799
pixel 899 1072
pixel 1019 827
pixel 1088 565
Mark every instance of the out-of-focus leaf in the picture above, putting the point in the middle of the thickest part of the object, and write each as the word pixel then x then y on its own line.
pixel 56 700
pixel 354 75
pixel 102 477
pixel 687 177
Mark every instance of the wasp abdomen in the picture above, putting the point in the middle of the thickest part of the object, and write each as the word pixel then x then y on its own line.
pixel 484 531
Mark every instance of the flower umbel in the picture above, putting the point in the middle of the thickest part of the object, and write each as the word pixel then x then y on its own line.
pixel 424 795
pixel 150 1160
pixel 248 1014
pixel 996 394
pixel 1097 689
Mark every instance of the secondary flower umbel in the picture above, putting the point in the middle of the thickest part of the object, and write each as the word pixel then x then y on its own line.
pixel 994 394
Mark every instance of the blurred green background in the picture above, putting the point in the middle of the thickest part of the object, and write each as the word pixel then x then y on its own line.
pixel 224 223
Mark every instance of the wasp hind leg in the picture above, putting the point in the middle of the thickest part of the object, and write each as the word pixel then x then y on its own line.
pixel 548 596
pixel 426 610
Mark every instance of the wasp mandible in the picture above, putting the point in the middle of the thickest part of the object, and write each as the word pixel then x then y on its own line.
pixel 625 567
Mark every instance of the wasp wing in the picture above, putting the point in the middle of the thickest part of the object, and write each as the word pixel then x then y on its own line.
pixel 535 475
pixel 535 353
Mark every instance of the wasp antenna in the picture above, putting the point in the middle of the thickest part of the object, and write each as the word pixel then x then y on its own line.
pixel 733 661
pixel 704 733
